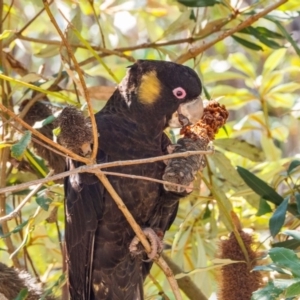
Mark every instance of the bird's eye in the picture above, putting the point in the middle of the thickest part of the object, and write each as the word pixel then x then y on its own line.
pixel 179 93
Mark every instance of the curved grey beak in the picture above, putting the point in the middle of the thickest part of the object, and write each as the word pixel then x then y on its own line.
pixel 192 111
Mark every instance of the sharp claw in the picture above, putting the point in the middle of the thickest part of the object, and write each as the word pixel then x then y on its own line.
pixel 154 240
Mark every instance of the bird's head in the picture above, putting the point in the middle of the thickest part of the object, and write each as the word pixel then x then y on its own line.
pixel 159 89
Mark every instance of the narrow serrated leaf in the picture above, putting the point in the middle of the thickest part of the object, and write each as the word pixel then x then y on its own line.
pixel 269 33
pixel 278 218
pixel 274 60
pixel 199 3
pixel 242 63
pixel 241 147
pixel 259 186
pixel 286 34
pixel 246 43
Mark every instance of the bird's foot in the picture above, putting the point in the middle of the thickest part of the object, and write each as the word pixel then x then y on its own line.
pixel 155 240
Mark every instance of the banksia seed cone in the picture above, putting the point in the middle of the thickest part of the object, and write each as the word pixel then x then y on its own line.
pixel 39 112
pixel 237 281
pixel 75 131
pixel 12 281
pixel 182 170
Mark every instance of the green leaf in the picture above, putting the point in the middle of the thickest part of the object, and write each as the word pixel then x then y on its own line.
pixel 242 63
pixel 18 149
pixel 294 164
pixel 199 3
pixel 290 87
pixel 44 122
pixel 259 186
pixel 278 218
pixel 270 268
pixel 293 233
pixel 241 147
pixel 269 33
pixel 206 93
pixel 22 295
pixel 285 100
pixel 289 244
pixel 269 292
pixel 286 258
pixel 47 52
pixel 264 208
pixel 261 36
pixel 286 34
pixel 227 170
pixel 6 33
pixel 272 152
pixel 293 290
pixel 183 22
pixel 274 60
pixel 43 201
pixel 247 44
pixel 15 230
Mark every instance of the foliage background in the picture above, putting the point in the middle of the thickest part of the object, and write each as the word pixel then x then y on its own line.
pixel 255 73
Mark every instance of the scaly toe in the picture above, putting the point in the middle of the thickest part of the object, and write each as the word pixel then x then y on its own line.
pixel 155 243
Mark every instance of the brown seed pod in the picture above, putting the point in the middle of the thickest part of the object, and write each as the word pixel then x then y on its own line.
pixel 182 170
pixel 12 281
pixel 75 131
pixel 38 112
pixel 237 280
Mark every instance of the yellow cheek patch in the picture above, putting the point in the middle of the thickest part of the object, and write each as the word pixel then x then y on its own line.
pixel 149 89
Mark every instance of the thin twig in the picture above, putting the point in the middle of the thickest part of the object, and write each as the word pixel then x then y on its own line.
pixel 8 11
pixel 143 178
pixel 159 287
pixel 193 52
pixel 32 138
pixel 186 284
pixel 98 23
pixel 32 20
pixel 170 276
pixel 83 87
pixel 42 137
pixel 5 228
pixel 15 212
pixel 91 168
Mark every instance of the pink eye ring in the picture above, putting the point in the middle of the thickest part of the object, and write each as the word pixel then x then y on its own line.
pixel 179 93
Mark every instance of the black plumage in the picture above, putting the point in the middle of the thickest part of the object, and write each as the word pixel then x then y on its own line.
pixel 131 126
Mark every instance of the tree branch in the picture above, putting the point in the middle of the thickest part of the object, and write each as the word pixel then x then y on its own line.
pixel 15 212
pixel 42 137
pixel 193 52
pixel 91 168
pixel 82 86
pixel 186 284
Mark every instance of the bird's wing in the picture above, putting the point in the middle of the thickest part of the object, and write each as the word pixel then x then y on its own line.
pixel 84 205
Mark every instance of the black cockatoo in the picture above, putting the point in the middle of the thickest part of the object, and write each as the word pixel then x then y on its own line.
pixel 130 126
